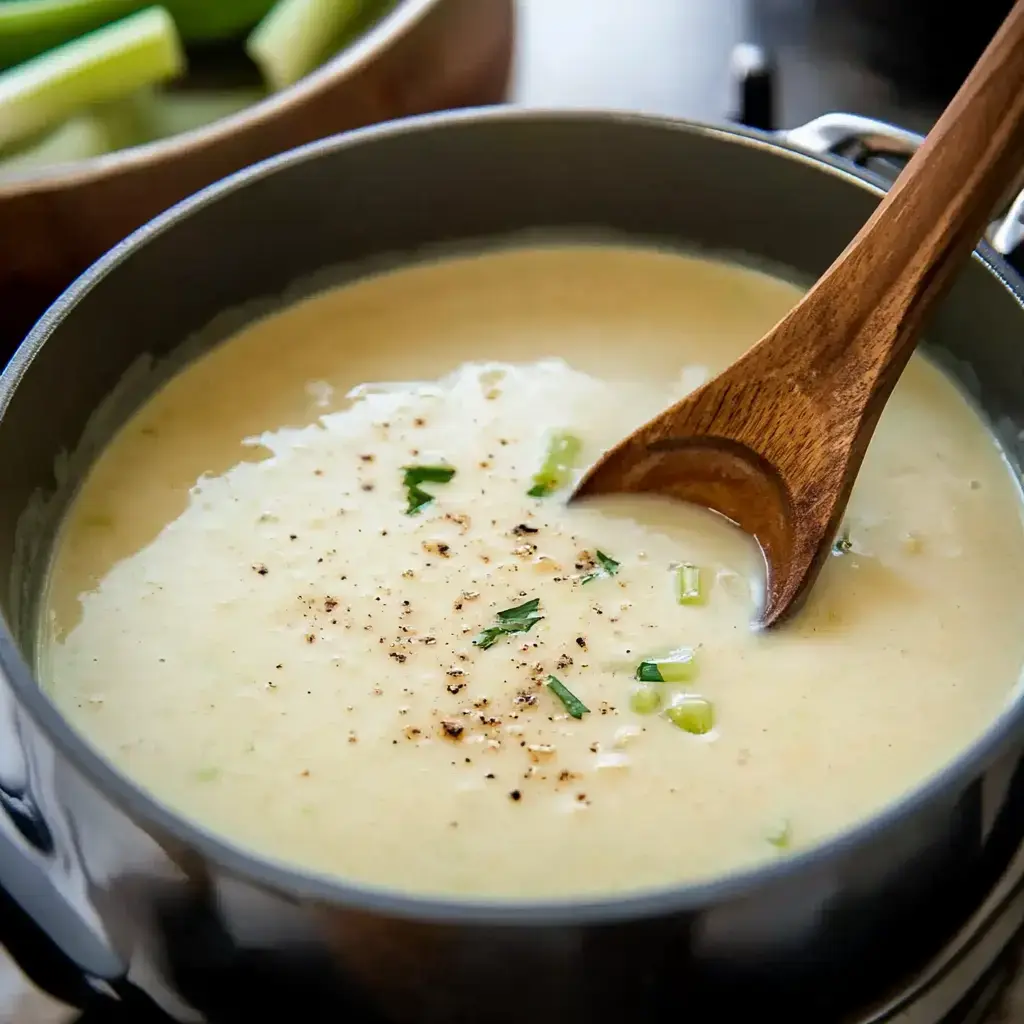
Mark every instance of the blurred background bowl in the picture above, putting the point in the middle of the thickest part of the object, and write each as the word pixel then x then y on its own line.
pixel 424 55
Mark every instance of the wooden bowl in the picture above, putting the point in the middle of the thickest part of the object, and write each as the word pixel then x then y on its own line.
pixel 425 55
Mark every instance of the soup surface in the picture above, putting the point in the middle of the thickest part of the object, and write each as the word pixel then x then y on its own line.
pixel 428 680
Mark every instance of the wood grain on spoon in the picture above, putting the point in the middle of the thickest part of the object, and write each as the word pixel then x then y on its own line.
pixel 775 442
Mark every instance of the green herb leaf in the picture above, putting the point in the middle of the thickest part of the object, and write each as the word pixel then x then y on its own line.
pixel 520 619
pixel 562 452
pixel 413 476
pixel 608 567
pixel 572 703
pixel 489 637
pixel 525 612
pixel 427 475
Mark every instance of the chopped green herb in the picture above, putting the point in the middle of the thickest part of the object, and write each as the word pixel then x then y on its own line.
pixel 606 567
pixel 842 544
pixel 563 451
pixel 692 714
pixel 208 774
pixel 688 583
pixel 520 619
pixel 572 703
pixel 782 835
pixel 677 667
pixel 413 476
pixel 645 699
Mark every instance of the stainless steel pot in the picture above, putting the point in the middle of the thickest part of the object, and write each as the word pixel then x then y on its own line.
pixel 128 889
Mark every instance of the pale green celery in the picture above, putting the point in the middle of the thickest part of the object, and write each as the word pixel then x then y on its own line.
pixel 31 27
pixel 688 581
pixel 562 452
pixel 645 699
pixel 678 667
pixel 77 139
pixel 692 714
pixel 203 21
pixel 297 36
pixel 171 113
pixel 101 129
pixel 109 63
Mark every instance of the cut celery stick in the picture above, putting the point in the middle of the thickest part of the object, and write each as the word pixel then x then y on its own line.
pixel 101 129
pixel 171 113
pixel 77 139
pixel 31 27
pixel 297 36
pixel 688 585
pixel 103 65
pixel 203 21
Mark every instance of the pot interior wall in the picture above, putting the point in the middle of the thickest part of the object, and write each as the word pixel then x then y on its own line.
pixel 414 186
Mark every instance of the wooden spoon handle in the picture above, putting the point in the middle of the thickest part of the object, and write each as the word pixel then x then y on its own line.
pixel 898 265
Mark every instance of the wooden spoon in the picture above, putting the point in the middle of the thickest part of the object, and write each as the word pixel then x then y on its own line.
pixel 775 442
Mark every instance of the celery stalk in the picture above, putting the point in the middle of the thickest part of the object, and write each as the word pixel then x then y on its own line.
pixel 297 36
pixel 111 62
pixel 31 27
pixel 171 113
pixel 77 139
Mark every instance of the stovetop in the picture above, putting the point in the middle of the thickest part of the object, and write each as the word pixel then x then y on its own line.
pixel 666 57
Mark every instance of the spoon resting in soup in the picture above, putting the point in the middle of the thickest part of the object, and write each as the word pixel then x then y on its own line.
pixel 323 593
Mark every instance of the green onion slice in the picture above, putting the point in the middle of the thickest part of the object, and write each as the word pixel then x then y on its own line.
pixel 562 452
pixel 678 667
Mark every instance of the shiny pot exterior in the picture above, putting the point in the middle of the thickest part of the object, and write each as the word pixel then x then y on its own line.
pixel 123 885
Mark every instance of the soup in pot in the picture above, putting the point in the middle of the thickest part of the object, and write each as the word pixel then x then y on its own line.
pixel 324 595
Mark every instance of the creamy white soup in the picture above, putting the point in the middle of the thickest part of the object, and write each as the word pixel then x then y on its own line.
pixel 323 593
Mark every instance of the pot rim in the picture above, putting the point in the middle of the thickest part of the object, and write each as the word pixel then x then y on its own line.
pixel 300 883
pixel 382 35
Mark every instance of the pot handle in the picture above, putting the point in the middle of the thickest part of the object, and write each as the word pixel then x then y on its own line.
pixel 883 148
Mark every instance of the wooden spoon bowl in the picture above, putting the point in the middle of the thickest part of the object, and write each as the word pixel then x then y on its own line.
pixel 776 441
pixel 426 55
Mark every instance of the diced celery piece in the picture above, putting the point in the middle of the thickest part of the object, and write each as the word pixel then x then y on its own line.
pixel 297 36
pixel 171 113
pixel 781 835
pixel 692 714
pixel 688 585
pixel 562 452
pixel 645 699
